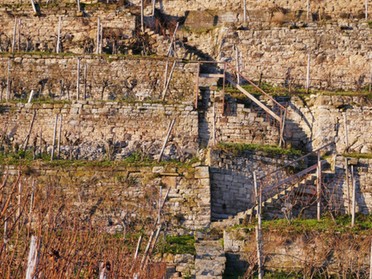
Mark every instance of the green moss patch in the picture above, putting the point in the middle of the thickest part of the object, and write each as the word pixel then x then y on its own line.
pixel 341 224
pixel 183 244
pixel 269 150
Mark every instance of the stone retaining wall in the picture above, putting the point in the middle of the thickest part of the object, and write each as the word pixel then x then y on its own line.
pixel 232 186
pixel 307 253
pixel 102 78
pixel 112 197
pixel 235 123
pixel 78 34
pixel 178 7
pixel 334 7
pixel 339 58
pixel 316 120
pixel 103 130
pixel 363 181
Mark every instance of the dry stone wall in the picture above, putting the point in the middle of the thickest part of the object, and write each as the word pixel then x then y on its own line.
pixel 112 78
pixel 232 122
pixel 334 7
pixel 338 58
pixel 232 187
pixel 115 197
pixel 103 130
pixel 319 119
pixel 178 7
pixel 363 181
pixel 290 251
pixel 78 34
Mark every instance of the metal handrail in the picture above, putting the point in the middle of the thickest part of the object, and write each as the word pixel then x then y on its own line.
pixel 292 177
pixel 295 161
pixel 258 88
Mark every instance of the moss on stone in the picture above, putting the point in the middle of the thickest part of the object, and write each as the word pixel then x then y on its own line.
pixel 269 150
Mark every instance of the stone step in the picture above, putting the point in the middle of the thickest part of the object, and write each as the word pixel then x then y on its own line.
pixel 210 259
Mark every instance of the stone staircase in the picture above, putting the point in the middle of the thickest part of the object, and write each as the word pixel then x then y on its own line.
pixel 210 259
pixel 275 110
pixel 306 186
pixel 246 122
pixel 286 195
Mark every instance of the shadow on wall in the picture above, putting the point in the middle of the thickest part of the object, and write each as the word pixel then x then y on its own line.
pixel 231 192
pixel 338 193
pixel 361 190
pixel 294 134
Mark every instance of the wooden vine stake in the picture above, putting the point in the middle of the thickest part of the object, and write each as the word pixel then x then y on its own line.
pixel 159 204
pixel 353 197
pixel 33 187
pixel 370 262
pixel 78 79
pixel 319 187
pixel 19 34
pixel 172 41
pixel 85 80
pixel 245 11
pixel 308 73
pixel 366 9
pixel 147 249
pixel 14 35
pixel 54 138
pixel 237 65
pixel 197 80
pixel 31 96
pixel 29 131
pixel 8 82
pixel 138 246
pixel 34 7
pixel 348 186
pixel 19 197
pixel 214 123
pixel 346 132
pixel 153 7
pixel 258 226
pixel 168 81
pixel 166 74
pixel 59 137
pixel 98 40
pixel 154 236
pixel 78 6
pixel 142 16
pixel 170 127
pixel 58 48
pixel 32 258
pixel 102 270
pixel 308 10
pixel 5 235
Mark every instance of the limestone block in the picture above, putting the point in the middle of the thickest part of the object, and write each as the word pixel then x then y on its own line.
pixel 201 172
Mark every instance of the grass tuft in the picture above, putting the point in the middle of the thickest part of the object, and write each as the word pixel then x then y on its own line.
pixel 269 150
pixel 183 244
